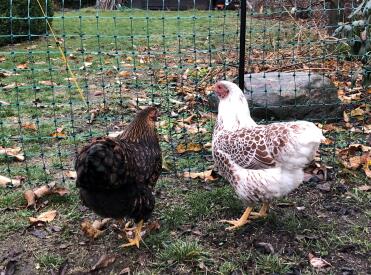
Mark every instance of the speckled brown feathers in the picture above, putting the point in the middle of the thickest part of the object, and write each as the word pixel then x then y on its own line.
pixel 116 176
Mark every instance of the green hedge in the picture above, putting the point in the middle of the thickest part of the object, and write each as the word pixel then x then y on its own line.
pixel 14 23
pixel 74 4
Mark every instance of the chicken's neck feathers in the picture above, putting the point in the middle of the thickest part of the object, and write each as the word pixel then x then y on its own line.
pixel 139 132
pixel 234 113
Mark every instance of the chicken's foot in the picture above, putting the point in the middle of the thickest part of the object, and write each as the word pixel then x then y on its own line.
pixel 241 221
pixel 137 237
pixel 263 212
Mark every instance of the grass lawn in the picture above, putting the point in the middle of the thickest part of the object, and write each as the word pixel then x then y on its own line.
pixel 126 58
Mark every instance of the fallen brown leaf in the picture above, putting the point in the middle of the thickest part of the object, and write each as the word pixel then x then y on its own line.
pixel 29 196
pixel 32 195
pixel 29 126
pixel 367 168
pixel 86 65
pixel 71 174
pixel 48 83
pixel 89 58
pixel 125 270
pixel 104 261
pixel 124 74
pixel 22 66
pixel 328 141
pixel 189 119
pixel 346 117
pixel 12 152
pixel 9 86
pixel 59 133
pixel 4 73
pixel 208 175
pixel 317 262
pixel 2 58
pixel 94 230
pixel 47 216
pixel 192 147
pixel 357 112
pixel 7 182
pixel 355 156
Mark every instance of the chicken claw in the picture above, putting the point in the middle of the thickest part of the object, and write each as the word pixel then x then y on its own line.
pixel 138 236
pixel 242 221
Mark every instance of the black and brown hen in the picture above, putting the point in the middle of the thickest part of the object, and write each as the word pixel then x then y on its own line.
pixel 116 176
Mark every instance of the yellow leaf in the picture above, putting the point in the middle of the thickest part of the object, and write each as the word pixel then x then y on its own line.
pixel 328 141
pixel 47 216
pixel 192 147
pixel 59 133
pixel 206 175
pixel 367 168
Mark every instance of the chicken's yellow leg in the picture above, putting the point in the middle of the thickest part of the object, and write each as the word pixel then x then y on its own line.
pixel 241 221
pixel 263 212
pixel 137 237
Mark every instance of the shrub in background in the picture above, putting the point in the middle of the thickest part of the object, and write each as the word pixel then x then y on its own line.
pixel 22 19
pixel 74 4
pixel 356 34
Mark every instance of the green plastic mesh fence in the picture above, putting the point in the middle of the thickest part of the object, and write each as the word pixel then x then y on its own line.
pixel 73 70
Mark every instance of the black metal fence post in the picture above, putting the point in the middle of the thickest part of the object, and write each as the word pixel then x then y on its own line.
pixel 241 68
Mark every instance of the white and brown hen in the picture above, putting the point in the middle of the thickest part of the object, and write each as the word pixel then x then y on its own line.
pixel 262 162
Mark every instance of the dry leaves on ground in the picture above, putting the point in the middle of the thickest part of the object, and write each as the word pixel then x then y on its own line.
pixel 12 152
pixel 356 156
pixel 29 126
pixel 317 262
pixel 71 174
pixel 22 66
pixel 44 217
pixel 94 230
pixel 59 133
pixel 316 169
pixel 125 74
pixel 191 147
pixel 48 83
pixel 86 65
pixel 8 182
pixel 4 103
pixel 32 195
pixel 209 175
